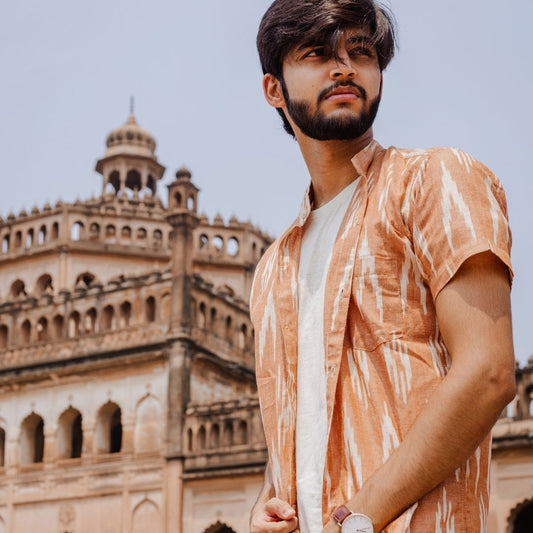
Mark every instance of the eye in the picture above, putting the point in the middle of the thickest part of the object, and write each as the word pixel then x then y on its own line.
pixel 362 50
pixel 317 51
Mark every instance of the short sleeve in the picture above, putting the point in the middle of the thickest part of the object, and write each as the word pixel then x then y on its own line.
pixel 459 211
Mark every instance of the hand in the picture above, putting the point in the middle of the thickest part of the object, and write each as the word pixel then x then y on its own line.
pixel 275 516
pixel 331 527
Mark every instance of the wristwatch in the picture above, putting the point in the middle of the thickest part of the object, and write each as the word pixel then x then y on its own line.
pixel 352 522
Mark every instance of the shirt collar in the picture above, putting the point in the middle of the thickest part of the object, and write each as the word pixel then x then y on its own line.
pixel 361 161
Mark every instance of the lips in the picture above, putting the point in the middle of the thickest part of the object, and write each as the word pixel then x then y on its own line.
pixel 343 92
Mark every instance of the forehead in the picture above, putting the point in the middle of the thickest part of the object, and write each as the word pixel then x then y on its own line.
pixel 335 38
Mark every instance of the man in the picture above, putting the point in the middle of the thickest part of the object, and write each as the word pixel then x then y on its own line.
pixel 382 316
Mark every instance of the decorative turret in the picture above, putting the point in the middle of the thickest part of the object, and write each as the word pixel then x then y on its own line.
pixel 182 193
pixel 130 167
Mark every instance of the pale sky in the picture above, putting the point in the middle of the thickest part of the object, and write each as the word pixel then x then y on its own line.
pixel 462 77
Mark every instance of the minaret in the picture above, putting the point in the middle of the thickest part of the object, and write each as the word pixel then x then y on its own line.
pixel 183 217
pixel 130 167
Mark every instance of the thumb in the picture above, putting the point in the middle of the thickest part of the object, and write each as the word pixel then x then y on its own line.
pixel 280 509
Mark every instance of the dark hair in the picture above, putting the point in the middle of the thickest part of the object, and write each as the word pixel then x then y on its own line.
pixel 290 23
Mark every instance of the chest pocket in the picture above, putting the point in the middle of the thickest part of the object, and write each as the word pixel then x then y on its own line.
pixel 376 313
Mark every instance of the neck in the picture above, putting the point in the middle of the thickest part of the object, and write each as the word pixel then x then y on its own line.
pixel 329 164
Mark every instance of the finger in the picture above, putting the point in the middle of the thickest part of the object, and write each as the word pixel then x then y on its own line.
pixel 280 509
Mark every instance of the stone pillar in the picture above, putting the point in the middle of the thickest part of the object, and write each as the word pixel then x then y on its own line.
pixel 180 355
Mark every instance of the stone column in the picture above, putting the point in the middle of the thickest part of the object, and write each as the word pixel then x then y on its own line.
pixel 180 356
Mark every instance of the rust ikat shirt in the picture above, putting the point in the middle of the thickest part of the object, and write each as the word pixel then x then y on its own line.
pixel 414 218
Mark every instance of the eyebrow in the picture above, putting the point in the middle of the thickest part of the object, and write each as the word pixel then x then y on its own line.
pixel 359 39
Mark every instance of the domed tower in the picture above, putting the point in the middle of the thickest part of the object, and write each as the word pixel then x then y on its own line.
pixel 182 193
pixel 129 167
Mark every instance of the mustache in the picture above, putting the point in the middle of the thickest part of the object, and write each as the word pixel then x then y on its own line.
pixel 346 83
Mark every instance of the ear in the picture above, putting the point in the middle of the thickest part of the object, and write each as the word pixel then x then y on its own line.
pixel 273 92
pixel 381 85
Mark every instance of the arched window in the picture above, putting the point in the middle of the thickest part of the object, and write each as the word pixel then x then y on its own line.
pixel 178 199
pixel 190 203
pixel 85 280
pixel 227 437
pixel 18 239
pixel 213 317
pixel 25 332
pixel 44 285
pixel 214 436
pixel 158 239
pixel 242 432
pixel 202 316
pixel 74 324
pixel 219 527
pixel 42 329
pixel 94 231
pixel 125 314
pixel 5 244
pixel 189 440
pixel 4 336
pixel 90 320
pixel 58 325
pixel 201 438
pixel 114 180
pixel 108 318
pixel 243 332
pixel 141 235
pixel 109 429
pixel 69 434
pixel 229 330
pixel 29 238
pixel 204 242
pixel 126 233
pixel 55 230
pixel 110 231
pixel 133 180
pixel 32 439
pixel 150 309
pixel 76 232
pixel 233 247
pixel 2 447
pixel 218 243
pixel 18 289
pixel 41 238
pixel 523 518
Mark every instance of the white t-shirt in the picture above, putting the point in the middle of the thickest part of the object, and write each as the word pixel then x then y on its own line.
pixel 320 232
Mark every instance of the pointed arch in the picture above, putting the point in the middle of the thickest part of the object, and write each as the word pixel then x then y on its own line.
pixel 32 439
pixel 69 434
pixel 219 527
pixel 146 517
pixel 109 428
pixel 147 434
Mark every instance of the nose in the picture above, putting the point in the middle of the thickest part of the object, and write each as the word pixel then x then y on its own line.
pixel 342 69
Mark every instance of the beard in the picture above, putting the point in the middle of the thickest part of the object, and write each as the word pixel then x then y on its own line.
pixel 345 127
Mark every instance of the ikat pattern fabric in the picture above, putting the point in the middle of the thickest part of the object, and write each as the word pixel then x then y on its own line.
pixel 414 218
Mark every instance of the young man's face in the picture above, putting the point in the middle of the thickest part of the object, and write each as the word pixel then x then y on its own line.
pixel 330 98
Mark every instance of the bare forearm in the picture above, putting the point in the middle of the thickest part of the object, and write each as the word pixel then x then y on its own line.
pixel 267 490
pixel 457 418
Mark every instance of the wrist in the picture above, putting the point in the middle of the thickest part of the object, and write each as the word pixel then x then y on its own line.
pixel 352 522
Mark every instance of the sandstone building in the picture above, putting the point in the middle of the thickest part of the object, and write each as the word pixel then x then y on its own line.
pixel 127 396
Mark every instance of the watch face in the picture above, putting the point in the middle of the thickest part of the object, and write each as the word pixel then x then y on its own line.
pixel 357 523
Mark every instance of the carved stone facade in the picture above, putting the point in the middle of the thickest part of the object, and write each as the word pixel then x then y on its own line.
pixel 512 462
pixel 127 395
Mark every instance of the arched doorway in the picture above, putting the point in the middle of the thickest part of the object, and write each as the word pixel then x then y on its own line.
pixel 219 528
pixel 523 519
